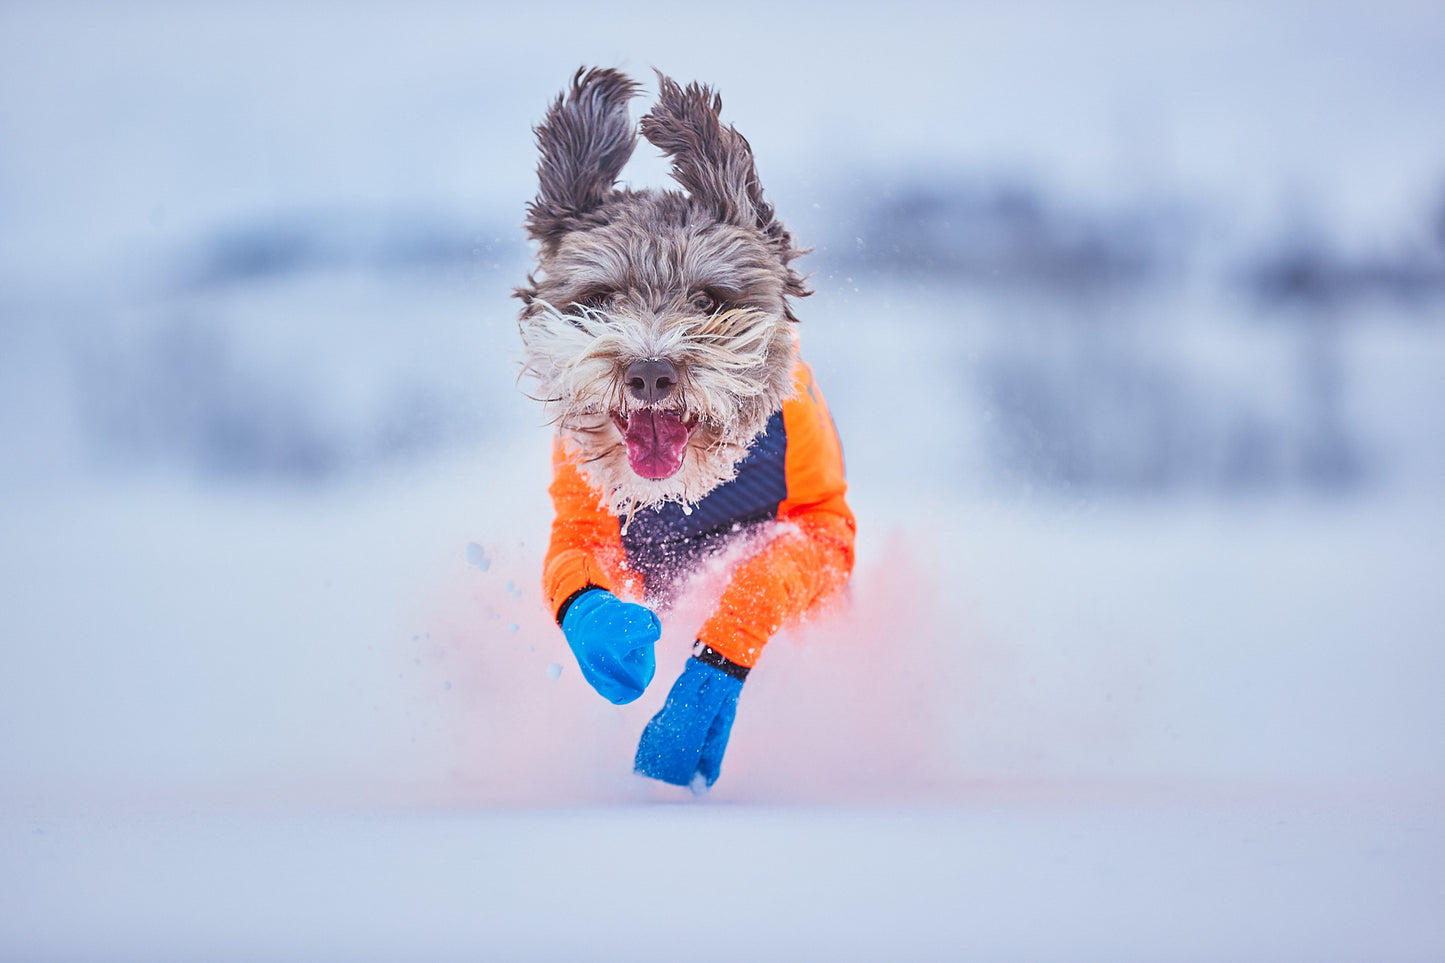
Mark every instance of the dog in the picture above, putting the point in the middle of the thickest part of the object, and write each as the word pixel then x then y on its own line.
pixel 658 329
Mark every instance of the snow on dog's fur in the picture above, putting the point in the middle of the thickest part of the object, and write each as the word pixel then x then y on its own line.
pixel 693 284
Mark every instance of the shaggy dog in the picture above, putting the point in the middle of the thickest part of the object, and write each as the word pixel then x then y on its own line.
pixel 658 331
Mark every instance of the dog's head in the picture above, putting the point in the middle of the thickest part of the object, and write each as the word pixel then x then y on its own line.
pixel 657 324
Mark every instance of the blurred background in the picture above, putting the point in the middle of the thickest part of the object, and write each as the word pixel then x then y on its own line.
pixel 1131 315
pixel 1129 252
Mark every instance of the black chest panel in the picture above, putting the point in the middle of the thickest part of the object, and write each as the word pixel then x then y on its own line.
pixel 664 543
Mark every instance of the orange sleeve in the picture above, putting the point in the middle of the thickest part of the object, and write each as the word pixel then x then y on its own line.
pixel 797 571
pixel 586 547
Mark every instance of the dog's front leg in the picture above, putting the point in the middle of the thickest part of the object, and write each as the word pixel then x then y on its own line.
pixel 685 742
pixel 612 639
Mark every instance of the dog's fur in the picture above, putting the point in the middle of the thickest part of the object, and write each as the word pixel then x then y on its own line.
pixel 700 278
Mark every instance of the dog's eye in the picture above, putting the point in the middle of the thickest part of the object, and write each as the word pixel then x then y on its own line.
pixel 596 300
pixel 704 303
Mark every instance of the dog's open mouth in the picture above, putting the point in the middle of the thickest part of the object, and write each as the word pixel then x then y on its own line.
pixel 656 440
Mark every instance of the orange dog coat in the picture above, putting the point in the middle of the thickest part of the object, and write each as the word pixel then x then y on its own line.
pixel 792 474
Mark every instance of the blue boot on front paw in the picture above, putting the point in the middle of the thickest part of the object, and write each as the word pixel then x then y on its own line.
pixel 684 743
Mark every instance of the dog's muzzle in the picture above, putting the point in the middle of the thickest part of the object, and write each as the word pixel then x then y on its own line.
pixel 656 437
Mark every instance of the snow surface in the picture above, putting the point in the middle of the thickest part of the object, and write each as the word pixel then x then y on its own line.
pixel 277 681
pixel 268 728
pixel 986 880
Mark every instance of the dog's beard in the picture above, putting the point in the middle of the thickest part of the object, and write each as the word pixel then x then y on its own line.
pixel 735 371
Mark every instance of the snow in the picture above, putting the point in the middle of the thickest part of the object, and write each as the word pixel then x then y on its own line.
pixel 986 880
pixel 277 679
pixel 477 556
pixel 1202 731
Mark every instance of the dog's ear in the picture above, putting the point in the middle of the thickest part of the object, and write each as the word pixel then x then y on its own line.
pixel 712 162
pixel 585 140
pixel 715 164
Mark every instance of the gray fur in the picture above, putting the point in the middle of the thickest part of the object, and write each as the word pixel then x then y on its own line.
pixel 585 141
pixel 714 163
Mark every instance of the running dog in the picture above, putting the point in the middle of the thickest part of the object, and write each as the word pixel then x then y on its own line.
pixel 659 333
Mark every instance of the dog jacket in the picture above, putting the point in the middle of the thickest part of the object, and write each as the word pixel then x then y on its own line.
pixel 792 473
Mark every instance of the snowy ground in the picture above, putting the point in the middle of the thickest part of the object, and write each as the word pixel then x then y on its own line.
pixel 243 727
pixel 276 679
pixel 998 879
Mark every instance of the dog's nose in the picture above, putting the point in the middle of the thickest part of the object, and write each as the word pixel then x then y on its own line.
pixel 651 379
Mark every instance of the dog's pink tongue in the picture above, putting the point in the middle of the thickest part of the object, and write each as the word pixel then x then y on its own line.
pixel 656 442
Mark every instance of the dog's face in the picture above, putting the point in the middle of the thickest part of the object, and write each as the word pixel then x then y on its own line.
pixel 657 324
